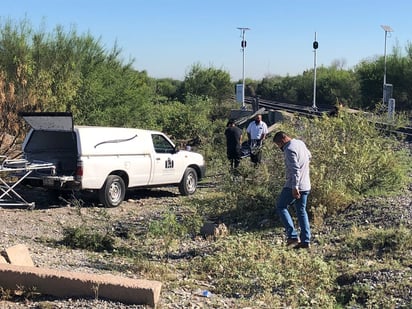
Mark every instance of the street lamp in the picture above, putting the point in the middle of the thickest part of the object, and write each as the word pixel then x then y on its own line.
pixel 386 29
pixel 243 45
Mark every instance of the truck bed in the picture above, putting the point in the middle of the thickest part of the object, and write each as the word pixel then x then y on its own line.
pixel 58 148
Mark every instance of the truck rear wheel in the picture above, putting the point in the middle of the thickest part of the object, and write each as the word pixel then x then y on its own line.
pixel 188 184
pixel 113 191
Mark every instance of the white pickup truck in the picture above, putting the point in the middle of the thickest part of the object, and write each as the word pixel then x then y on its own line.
pixel 106 160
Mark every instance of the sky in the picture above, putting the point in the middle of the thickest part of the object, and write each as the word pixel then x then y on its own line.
pixel 166 38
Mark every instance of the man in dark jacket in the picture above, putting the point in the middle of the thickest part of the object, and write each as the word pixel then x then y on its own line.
pixel 233 141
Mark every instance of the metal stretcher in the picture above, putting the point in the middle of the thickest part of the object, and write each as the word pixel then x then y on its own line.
pixel 12 173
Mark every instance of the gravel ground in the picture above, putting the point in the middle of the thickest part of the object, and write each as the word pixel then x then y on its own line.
pixel 33 227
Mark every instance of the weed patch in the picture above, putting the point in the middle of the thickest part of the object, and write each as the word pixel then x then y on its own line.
pixel 247 266
pixel 86 238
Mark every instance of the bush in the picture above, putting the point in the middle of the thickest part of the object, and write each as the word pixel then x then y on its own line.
pixel 351 158
pixel 84 238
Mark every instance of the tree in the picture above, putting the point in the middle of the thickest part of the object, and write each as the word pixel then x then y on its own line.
pixel 16 66
pixel 167 89
pixel 399 74
pixel 64 71
pixel 370 80
pixel 269 87
pixel 208 82
pixel 336 85
pixel 333 84
pixel 116 96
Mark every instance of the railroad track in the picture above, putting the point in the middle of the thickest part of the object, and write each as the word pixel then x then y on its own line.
pixel 308 111
pixel 293 108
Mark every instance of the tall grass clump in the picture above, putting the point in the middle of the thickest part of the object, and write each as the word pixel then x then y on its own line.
pixel 351 158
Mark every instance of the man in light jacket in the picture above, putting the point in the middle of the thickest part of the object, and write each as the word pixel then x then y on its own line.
pixel 296 189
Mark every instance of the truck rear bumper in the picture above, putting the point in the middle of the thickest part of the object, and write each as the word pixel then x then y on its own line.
pixel 61 182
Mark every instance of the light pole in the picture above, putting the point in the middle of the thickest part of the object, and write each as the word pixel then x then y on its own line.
pixel 243 45
pixel 315 47
pixel 386 29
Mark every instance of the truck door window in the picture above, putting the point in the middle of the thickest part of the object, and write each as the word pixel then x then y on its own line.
pixel 162 145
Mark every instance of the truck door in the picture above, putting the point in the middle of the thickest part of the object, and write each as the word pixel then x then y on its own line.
pixel 165 161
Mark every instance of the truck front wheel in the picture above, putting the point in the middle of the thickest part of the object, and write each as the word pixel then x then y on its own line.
pixel 188 184
pixel 113 191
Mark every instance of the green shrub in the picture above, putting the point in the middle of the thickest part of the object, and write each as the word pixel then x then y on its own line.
pixel 165 233
pixel 171 225
pixel 85 238
pixel 351 158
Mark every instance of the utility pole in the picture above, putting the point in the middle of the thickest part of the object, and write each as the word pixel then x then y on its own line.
pixel 386 29
pixel 315 47
pixel 243 45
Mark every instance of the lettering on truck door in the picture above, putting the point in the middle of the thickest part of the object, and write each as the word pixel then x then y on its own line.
pixel 164 157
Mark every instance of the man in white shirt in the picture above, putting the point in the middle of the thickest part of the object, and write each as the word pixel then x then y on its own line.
pixel 257 131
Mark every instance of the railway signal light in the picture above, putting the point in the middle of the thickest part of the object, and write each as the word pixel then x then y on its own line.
pixel 315 47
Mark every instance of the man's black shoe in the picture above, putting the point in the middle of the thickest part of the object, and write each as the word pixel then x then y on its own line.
pixel 302 245
pixel 292 241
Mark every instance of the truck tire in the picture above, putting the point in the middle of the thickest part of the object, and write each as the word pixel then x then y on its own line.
pixel 113 191
pixel 188 184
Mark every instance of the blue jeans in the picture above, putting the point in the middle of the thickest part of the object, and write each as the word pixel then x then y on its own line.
pixel 283 202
